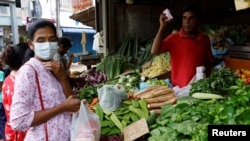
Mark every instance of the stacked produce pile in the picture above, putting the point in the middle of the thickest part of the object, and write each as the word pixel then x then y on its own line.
pixel 113 65
pixel 157 96
pixel 130 111
pixel 189 117
pixel 91 77
pixel 244 75
pixel 136 52
pixel 131 54
pixel 216 83
pixel 160 64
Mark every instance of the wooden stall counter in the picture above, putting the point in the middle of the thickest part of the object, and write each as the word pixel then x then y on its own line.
pixel 237 63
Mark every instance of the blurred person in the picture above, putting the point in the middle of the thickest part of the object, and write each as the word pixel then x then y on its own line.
pixel 189 48
pixel 14 57
pixel 2 112
pixel 45 114
pixel 64 44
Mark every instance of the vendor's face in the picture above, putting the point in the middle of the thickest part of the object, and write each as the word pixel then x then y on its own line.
pixel 189 22
pixel 63 49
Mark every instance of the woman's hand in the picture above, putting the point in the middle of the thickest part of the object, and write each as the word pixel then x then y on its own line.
pixel 56 68
pixel 71 104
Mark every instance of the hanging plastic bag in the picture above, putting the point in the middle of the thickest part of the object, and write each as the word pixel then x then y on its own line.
pixel 110 97
pixel 184 91
pixel 85 125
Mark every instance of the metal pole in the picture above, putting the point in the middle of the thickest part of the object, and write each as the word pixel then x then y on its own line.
pixel 105 24
pixel 14 26
pixel 59 32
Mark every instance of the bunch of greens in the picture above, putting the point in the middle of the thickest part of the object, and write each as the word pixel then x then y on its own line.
pixel 88 92
pixel 217 82
pixel 188 119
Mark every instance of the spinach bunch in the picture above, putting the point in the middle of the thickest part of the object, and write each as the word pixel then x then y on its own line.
pixel 88 93
pixel 217 82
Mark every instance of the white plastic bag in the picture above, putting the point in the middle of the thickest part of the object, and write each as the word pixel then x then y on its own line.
pixel 85 125
pixel 110 97
pixel 184 91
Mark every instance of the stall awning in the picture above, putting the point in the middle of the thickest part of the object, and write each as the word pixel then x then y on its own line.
pixel 86 17
pixel 77 30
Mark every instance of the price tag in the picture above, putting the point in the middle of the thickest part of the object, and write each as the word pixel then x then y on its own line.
pixel 135 130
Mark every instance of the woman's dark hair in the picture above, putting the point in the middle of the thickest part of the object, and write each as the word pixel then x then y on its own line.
pixel 39 24
pixel 16 56
pixel 66 42
pixel 193 8
pixel 28 54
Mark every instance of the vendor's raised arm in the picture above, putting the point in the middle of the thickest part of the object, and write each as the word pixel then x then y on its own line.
pixel 156 46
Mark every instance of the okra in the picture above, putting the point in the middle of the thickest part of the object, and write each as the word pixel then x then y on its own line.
pixel 105 130
pixel 127 102
pixel 111 123
pixel 116 121
pixel 99 112
pixel 122 111
pixel 137 111
pixel 105 123
pixel 135 104
pixel 127 117
pixel 134 117
pixel 124 123
pixel 143 105
pixel 114 131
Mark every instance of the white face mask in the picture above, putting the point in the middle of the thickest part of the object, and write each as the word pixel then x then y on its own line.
pixel 45 50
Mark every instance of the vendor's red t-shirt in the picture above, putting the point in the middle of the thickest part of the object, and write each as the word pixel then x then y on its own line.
pixel 186 54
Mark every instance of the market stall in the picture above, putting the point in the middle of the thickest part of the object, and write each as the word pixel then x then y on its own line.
pixel 130 89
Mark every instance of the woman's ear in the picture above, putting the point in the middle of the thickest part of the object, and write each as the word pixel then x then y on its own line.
pixel 31 45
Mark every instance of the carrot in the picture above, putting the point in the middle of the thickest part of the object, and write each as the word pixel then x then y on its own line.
pixel 159 105
pixel 94 101
pixel 161 98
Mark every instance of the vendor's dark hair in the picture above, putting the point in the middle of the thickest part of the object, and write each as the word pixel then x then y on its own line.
pixel 193 8
pixel 65 41
pixel 16 56
pixel 39 24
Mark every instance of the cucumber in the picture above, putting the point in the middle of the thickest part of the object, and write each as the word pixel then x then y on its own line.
pixel 207 96
pixel 152 118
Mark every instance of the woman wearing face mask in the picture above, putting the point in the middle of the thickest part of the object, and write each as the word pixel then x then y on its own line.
pixel 45 113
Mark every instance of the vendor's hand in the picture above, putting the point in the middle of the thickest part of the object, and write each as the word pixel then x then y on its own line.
pixel 56 68
pixel 71 56
pixel 71 104
pixel 163 21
